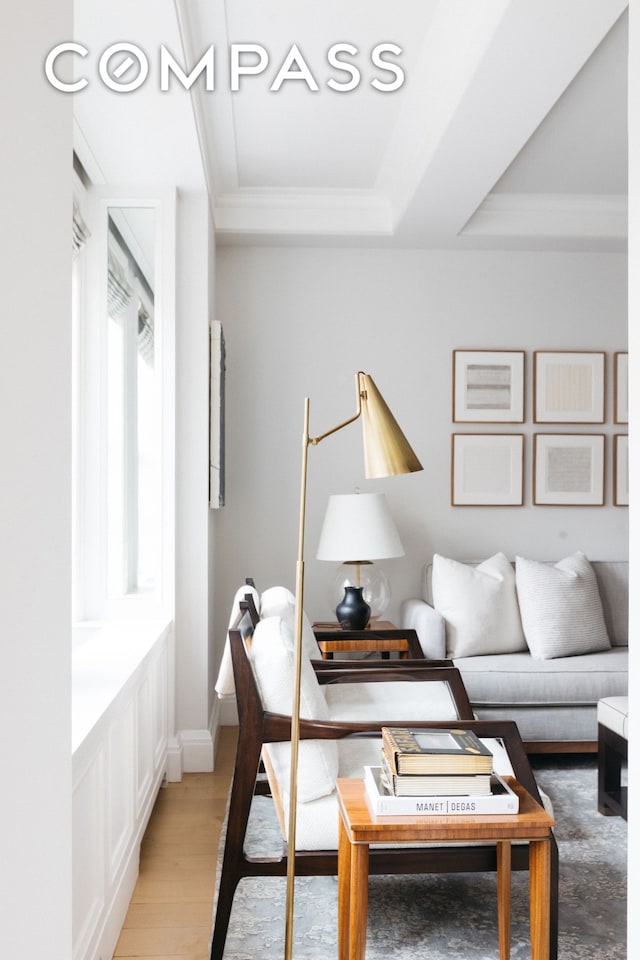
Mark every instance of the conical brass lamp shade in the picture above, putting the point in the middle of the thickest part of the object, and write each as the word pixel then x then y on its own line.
pixel 387 451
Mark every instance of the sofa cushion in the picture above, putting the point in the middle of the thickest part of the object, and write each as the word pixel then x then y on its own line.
pixel 272 658
pixel 517 680
pixel 613 587
pixel 479 606
pixel 560 607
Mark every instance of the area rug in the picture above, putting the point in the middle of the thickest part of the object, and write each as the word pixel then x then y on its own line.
pixel 446 917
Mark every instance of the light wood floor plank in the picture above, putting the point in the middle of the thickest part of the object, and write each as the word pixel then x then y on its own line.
pixel 170 914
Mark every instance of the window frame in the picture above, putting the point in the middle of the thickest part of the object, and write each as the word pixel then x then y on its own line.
pixel 91 595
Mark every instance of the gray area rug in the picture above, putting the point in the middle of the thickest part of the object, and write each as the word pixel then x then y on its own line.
pixel 446 917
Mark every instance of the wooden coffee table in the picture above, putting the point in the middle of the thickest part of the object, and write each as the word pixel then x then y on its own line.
pixel 380 637
pixel 358 828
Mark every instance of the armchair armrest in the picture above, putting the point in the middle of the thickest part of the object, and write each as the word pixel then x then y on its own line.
pixel 379 672
pixel 371 699
pixel 278 728
pixel 329 667
pixel 429 625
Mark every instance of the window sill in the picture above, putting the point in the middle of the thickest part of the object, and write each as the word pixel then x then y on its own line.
pixel 106 657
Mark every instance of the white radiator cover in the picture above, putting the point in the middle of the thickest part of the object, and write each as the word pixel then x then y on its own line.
pixel 118 767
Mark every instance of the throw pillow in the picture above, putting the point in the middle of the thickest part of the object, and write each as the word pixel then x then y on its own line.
pixel 272 657
pixel 560 607
pixel 479 606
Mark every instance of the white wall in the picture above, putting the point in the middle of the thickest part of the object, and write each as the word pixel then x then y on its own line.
pixel 35 526
pixel 303 321
pixel 194 562
pixel 633 918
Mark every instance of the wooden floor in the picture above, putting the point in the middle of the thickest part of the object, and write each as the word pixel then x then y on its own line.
pixel 169 917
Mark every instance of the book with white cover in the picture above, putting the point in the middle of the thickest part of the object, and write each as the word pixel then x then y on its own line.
pixel 433 784
pixel 383 804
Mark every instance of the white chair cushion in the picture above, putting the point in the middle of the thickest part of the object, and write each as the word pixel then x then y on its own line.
pixel 393 701
pixel 280 602
pixel 317 822
pixel 225 687
pixel 272 658
pixel 479 606
pixel 613 712
pixel 275 599
pixel 560 607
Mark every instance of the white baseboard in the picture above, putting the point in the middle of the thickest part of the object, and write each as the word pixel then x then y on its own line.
pixel 228 713
pixel 197 751
pixel 193 751
pixel 175 767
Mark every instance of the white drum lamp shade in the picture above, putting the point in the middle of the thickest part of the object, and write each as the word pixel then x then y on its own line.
pixel 359 528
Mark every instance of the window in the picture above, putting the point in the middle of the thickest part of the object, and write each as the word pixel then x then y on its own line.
pixel 133 427
pixel 123 408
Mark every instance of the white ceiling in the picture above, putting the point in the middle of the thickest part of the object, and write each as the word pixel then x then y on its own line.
pixel 510 130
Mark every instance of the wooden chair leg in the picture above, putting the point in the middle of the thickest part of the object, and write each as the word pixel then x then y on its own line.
pixel 242 790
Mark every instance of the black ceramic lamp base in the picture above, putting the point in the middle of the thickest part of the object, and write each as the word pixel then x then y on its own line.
pixel 353 611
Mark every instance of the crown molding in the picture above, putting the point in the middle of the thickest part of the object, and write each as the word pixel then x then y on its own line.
pixel 550 215
pixel 303 213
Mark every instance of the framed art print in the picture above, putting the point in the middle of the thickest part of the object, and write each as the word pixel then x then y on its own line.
pixel 568 386
pixel 568 469
pixel 488 386
pixel 621 470
pixel 621 388
pixel 487 469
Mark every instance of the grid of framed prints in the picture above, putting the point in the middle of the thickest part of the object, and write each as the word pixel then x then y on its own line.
pixel 569 387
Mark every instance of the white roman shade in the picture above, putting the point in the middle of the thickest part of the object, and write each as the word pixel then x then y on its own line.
pixel 120 294
pixel 80 231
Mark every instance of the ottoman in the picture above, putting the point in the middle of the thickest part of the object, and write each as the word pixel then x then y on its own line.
pixel 612 756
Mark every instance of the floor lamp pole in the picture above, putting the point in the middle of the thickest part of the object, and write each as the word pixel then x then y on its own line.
pixel 387 453
pixel 295 708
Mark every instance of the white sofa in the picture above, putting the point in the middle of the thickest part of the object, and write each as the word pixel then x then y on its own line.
pixel 551 695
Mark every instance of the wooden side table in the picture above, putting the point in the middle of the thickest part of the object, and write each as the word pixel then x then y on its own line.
pixel 358 828
pixel 382 637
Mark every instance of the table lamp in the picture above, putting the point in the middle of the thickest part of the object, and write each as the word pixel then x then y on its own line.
pixel 359 525
pixel 387 453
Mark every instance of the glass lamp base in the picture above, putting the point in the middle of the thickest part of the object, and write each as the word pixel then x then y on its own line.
pixel 376 590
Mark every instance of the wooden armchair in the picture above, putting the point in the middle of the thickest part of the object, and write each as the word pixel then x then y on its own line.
pixel 260 729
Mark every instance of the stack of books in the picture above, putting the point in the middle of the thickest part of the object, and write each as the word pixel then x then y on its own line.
pixel 437 772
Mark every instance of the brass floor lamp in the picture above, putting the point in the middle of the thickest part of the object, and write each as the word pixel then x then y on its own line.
pixel 386 453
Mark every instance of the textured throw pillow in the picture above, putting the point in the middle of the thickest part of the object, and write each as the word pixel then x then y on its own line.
pixel 272 658
pixel 560 607
pixel 479 606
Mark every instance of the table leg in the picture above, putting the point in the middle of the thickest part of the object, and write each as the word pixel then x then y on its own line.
pixel 344 883
pixel 503 854
pixel 358 900
pixel 540 897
